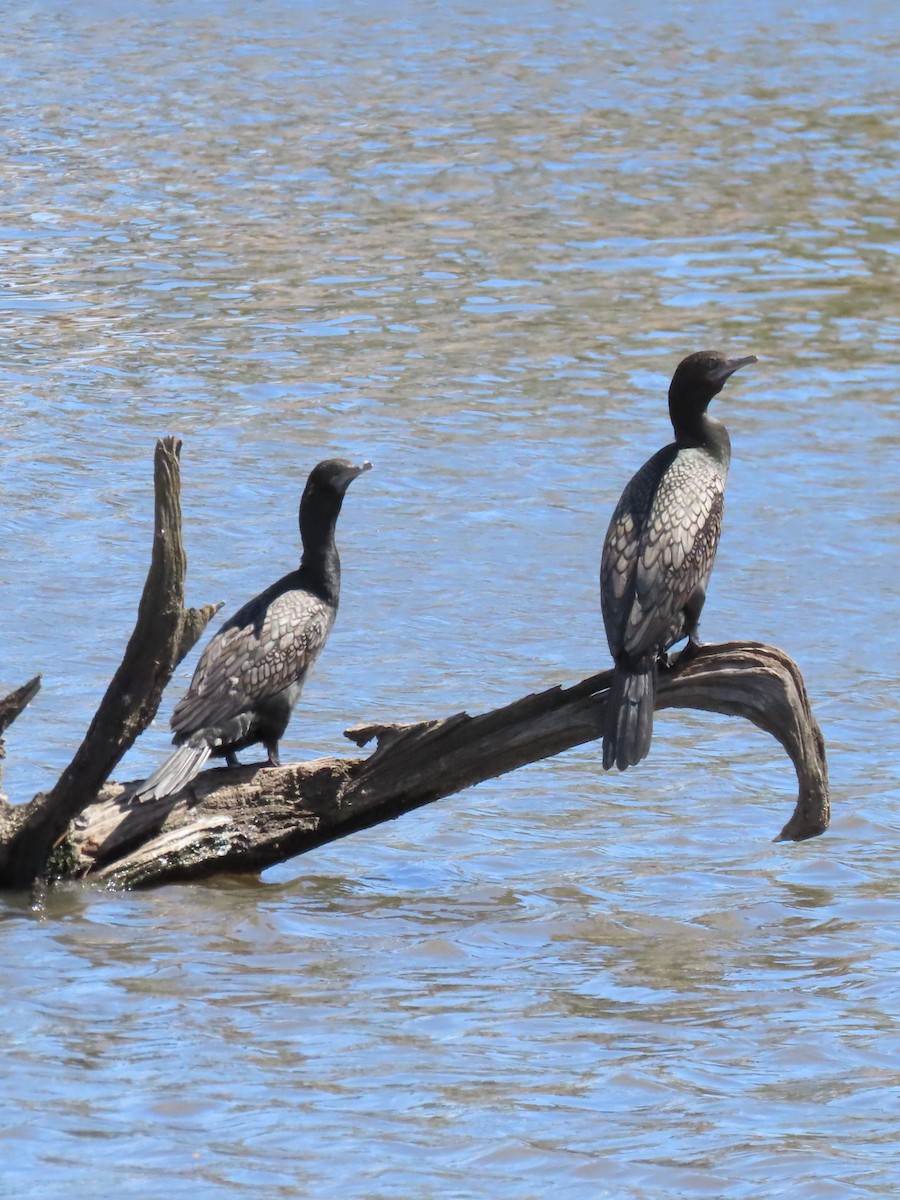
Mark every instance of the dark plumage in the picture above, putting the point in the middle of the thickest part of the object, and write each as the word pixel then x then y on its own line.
pixel 659 551
pixel 249 677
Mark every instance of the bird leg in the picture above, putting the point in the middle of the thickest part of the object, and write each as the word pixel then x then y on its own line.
pixel 665 662
pixel 692 611
pixel 231 759
pixel 272 750
pixel 690 650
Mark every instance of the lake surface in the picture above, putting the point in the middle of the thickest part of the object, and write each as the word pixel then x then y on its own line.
pixel 470 243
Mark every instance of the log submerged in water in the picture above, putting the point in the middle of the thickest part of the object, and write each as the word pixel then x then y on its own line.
pixel 247 818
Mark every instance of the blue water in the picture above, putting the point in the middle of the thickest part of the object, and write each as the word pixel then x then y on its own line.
pixel 470 246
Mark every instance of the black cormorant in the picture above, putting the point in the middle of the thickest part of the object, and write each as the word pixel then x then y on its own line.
pixel 249 677
pixel 659 552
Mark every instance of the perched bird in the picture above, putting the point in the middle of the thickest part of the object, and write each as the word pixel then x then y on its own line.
pixel 659 551
pixel 249 677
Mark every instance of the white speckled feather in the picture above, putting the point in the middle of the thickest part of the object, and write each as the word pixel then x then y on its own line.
pixel 245 663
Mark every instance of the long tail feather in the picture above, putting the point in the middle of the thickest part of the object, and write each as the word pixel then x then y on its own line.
pixel 629 717
pixel 176 772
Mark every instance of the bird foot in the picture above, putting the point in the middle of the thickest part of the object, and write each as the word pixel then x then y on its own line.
pixel 273 760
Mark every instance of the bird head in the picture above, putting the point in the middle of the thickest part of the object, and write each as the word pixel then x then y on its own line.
pixel 334 475
pixel 324 492
pixel 701 376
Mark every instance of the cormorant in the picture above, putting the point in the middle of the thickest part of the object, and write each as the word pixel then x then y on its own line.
pixel 659 551
pixel 249 677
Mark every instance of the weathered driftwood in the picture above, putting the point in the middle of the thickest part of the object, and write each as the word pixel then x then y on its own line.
pixel 248 818
pixel 163 634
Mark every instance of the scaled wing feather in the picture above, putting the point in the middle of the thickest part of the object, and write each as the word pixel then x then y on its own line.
pixel 251 660
pixel 660 547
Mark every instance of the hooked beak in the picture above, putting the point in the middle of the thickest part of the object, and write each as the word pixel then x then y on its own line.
pixel 732 365
pixel 349 472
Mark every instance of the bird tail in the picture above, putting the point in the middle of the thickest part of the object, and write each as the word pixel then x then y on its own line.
pixel 629 717
pixel 176 772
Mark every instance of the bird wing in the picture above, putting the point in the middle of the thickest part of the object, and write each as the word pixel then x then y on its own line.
pixel 264 648
pixel 622 547
pixel 677 547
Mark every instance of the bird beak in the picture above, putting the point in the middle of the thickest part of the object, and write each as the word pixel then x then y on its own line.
pixel 355 471
pixel 732 365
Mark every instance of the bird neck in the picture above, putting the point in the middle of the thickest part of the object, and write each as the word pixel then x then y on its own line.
pixel 698 430
pixel 320 565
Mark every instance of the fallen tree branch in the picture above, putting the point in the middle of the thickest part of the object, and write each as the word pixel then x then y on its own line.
pixel 248 818
pixel 163 634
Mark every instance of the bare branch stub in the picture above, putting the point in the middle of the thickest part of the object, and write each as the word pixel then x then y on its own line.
pixel 193 627
pixel 15 702
pixel 162 635
pixel 10 707
pixel 249 818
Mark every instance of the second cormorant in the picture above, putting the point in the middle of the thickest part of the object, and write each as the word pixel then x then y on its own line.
pixel 659 551
pixel 249 677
